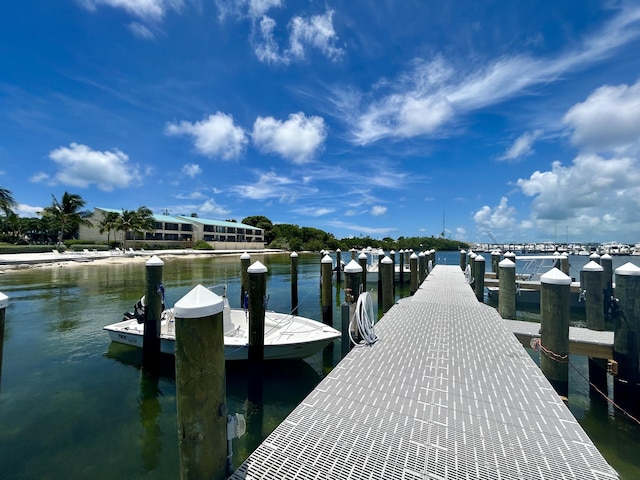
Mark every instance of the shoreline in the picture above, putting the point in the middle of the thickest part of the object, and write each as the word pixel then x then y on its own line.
pixel 21 261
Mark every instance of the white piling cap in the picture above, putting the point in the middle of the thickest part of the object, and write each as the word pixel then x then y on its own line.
pixel 4 300
pixel 353 267
pixel 362 256
pixel 594 255
pixel 413 255
pixel 386 260
pixel 392 252
pixel 432 251
pixel 506 263
pixel 257 267
pixel 555 277
pixel 198 303
pixel 628 269
pixel 338 250
pixel 326 259
pixel 294 255
pixel 463 251
pixel 479 258
pixel 593 267
pixel 421 254
pixel 154 262
pixel 401 250
pixel 245 256
pixel 606 256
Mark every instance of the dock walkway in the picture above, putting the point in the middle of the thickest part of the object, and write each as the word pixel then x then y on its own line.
pixel 447 392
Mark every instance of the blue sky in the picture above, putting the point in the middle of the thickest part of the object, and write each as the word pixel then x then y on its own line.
pixel 513 119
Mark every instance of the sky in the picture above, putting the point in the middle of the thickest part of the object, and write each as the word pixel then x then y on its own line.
pixel 503 120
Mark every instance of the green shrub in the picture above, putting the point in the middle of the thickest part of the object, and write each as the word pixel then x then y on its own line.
pixel 202 245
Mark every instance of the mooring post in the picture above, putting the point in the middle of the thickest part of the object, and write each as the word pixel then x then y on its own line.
pixel 338 265
pixel 507 289
pixel 392 256
pixel 153 313
pixel 294 282
pixel 401 278
pixel 257 299
pixel 4 303
pixel 554 331
pixel 413 268
pixel 626 336
pixel 463 260
pixel 421 267
pixel 352 285
pixel 432 257
pixel 564 263
pixel 362 259
pixel 201 385
pixel 478 278
pixel 386 274
pixel 245 261
pixel 592 275
pixel 326 294
pixel 606 262
pixel 353 253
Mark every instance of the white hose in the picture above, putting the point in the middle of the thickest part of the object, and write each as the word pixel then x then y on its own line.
pixel 364 318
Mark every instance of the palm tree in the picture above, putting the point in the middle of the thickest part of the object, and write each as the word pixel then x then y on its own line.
pixel 136 221
pixel 109 222
pixel 66 214
pixel 6 201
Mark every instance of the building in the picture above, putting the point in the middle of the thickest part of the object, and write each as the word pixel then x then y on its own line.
pixel 180 231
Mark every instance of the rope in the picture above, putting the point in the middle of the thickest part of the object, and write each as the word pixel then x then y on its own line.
pixel 364 319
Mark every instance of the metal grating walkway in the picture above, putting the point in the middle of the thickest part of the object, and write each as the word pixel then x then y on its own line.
pixel 446 393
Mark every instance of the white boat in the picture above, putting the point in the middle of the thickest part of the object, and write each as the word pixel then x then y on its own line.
pixel 286 336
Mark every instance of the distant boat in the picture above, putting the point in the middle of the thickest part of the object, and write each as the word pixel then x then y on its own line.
pixel 286 336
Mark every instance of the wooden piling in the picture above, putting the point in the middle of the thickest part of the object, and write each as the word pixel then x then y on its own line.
pixel 4 303
pixel 392 256
pixel 245 261
pixel 201 385
pixel 554 334
pixel 338 265
pixel 507 289
pixel 606 262
pixel 326 297
pixel 564 264
pixel 626 338
pixel 478 279
pixel 401 277
pixel 593 275
pixel 421 267
pixel 463 260
pixel 257 295
pixel 352 288
pixel 413 269
pixel 153 314
pixel 495 261
pixel 362 259
pixel 294 282
pixel 386 274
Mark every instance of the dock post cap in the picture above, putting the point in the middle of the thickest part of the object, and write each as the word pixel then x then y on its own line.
pixel 392 252
pixel 506 263
pixel 593 267
pixel 326 259
pixel 338 250
pixel 353 267
pixel 154 261
pixel 386 260
pixel 628 269
pixel 294 254
pixel 606 256
pixel 257 267
pixel 555 277
pixel 362 256
pixel 479 258
pixel 198 303
pixel 463 251
pixel 245 256
pixel 421 254
pixel 594 255
pixel 4 300
pixel 413 255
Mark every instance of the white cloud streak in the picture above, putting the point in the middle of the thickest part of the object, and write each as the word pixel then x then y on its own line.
pixel 522 146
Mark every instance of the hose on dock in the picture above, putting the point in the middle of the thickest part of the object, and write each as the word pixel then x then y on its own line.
pixel 364 318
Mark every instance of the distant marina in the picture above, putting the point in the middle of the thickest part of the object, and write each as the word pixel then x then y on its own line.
pixel 584 249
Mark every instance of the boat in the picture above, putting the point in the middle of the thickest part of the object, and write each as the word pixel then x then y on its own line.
pixel 286 336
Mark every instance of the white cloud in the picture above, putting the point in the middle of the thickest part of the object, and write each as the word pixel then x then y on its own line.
pixel 501 217
pixel 151 10
pixel 216 136
pixel 24 210
pixel 316 31
pixel 191 170
pixel 141 31
pixel 212 208
pixel 80 166
pixel 360 229
pixel 296 139
pixel 315 211
pixel 257 8
pixel 432 94
pixel 608 120
pixel 522 146
pixel 271 185
pixel 378 210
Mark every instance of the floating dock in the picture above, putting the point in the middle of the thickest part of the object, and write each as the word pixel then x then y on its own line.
pixel 447 392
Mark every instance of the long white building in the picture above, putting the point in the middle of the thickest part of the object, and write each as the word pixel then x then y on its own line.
pixel 179 231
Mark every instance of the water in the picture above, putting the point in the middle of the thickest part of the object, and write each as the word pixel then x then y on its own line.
pixel 73 405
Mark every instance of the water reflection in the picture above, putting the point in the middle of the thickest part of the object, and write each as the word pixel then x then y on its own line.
pixel 150 411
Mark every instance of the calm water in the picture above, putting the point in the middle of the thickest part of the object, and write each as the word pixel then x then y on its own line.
pixel 73 405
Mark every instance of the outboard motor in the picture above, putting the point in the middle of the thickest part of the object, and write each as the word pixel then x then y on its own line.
pixel 138 311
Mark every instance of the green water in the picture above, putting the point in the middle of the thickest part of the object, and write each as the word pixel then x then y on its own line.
pixel 73 405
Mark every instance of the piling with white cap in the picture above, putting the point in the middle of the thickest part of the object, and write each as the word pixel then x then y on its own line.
pixel 507 289
pixel 386 274
pixel 413 268
pixel 478 279
pixel 326 291
pixel 294 282
pixel 152 313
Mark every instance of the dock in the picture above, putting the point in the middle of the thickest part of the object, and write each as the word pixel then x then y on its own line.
pixel 447 392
